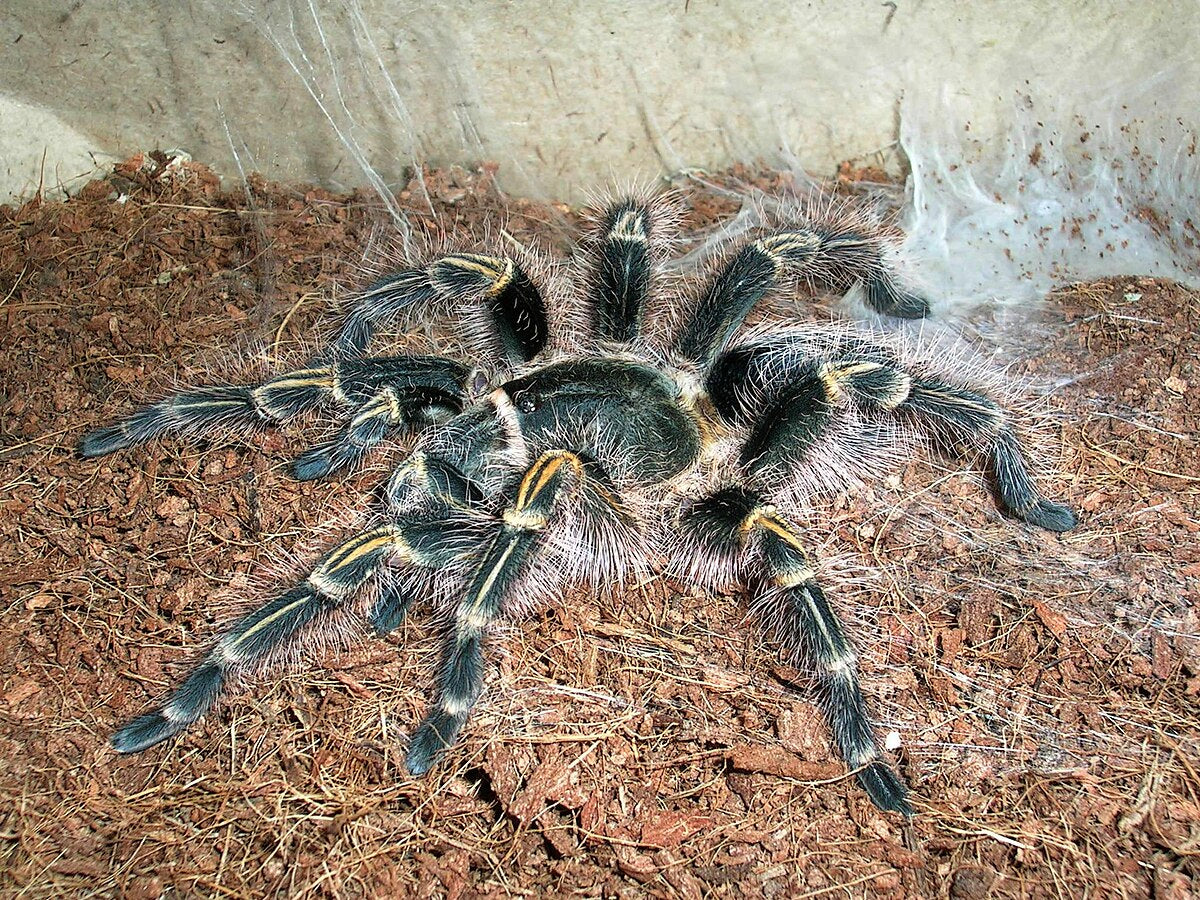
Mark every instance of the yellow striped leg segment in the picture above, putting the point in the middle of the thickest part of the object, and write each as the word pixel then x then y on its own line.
pixel 959 419
pixel 207 409
pixel 810 621
pixel 460 676
pixel 512 300
pixel 195 411
pixel 258 634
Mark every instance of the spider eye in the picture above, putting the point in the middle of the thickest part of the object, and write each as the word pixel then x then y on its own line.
pixel 527 401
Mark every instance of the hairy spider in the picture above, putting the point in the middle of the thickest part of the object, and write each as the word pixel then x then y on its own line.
pixel 645 429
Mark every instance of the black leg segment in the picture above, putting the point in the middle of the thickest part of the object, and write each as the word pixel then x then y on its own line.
pixel 961 419
pixel 622 270
pixel 460 676
pixel 404 291
pixel 391 606
pixel 724 306
pixel 514 305
pixel 787 429
pixel 513 302
pixel 837 258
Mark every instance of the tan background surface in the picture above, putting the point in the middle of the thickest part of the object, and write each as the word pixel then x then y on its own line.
pixel 561 94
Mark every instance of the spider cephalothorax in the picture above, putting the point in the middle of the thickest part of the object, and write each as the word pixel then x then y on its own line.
pixel 677 440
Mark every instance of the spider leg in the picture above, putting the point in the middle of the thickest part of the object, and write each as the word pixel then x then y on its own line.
pixel 381 392
pixel 808 616
pixel 959 418
pixel 422 489
pixel 818 255
pixel 511 301
pixel 258 635
pixel 725 524
pixel 552 476
pixel 622 269
pixel 788 403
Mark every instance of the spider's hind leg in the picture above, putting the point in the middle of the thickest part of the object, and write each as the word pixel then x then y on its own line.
pixel 624 251
pixel 787 400
pixel 725 525
pixel 959 418
pixel 377 393
pixel 258 635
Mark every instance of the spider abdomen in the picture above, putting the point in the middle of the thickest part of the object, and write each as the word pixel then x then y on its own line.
pixel 624 415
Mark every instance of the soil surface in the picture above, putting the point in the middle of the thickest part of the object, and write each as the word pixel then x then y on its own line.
pixel 1041 691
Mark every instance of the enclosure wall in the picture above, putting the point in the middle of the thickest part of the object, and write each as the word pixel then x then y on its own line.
pixel 561 95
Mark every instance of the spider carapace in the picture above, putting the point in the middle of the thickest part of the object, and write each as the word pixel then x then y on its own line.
pixel 644 432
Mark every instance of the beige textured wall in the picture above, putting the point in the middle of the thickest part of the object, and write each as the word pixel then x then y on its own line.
pixel 562 94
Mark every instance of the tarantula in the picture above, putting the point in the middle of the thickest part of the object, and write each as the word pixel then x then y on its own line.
pixel 653 437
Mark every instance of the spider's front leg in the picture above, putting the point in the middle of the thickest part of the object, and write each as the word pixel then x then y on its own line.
pixel 839 256
pixel 508 298
pixel 375 395
pixel 734 525
pixel 557 478
pixel 438 536
pixel 787 398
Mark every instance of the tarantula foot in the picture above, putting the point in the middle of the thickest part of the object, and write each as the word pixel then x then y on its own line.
pixel 884 296
pixel 1049 515
pixel 909 306
pixel 144 731
pixel 326 459
pixel 885 788
pixel 104 441
pixel 430 740
pixel 313 464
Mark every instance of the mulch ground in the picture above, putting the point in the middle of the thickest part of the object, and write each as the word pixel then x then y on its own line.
pixel 1044 689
